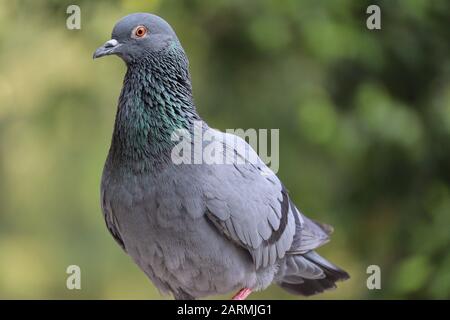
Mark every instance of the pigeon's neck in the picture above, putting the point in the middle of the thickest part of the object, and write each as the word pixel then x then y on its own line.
pixel 155 101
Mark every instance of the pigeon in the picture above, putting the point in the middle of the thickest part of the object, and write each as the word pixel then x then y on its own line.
pixel 197 228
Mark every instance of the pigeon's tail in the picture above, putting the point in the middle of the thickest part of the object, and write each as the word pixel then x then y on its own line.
pixel 308 274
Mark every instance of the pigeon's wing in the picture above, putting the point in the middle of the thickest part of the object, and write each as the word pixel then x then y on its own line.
pixel 309 235
pixel 248 204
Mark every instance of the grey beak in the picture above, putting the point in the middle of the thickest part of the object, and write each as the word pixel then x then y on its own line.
pixel 110 47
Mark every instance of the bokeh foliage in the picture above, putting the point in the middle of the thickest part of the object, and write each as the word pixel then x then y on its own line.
pixel 364 119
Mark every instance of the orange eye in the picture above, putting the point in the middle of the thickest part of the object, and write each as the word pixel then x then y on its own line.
pixel 140 31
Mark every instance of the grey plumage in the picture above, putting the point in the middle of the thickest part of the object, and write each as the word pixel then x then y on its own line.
pixel 196 229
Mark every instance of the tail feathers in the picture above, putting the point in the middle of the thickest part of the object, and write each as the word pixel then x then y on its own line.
pixel 304 284
pixel 325 227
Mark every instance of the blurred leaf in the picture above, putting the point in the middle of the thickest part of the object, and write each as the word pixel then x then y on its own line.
pixel 411 274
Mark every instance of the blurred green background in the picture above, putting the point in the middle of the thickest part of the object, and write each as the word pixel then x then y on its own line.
pixel 364 119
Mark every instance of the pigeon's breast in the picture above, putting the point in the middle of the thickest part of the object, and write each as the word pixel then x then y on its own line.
pixel 160 219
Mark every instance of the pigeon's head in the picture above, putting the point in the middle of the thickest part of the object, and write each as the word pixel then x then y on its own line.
pixel 138 35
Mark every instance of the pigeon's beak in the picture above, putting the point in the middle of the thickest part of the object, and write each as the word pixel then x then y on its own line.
pixel 110 47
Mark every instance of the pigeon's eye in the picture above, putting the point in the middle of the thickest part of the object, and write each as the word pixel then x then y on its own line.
pixel 139 32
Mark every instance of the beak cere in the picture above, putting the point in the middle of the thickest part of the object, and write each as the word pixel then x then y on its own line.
pixel 108 48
